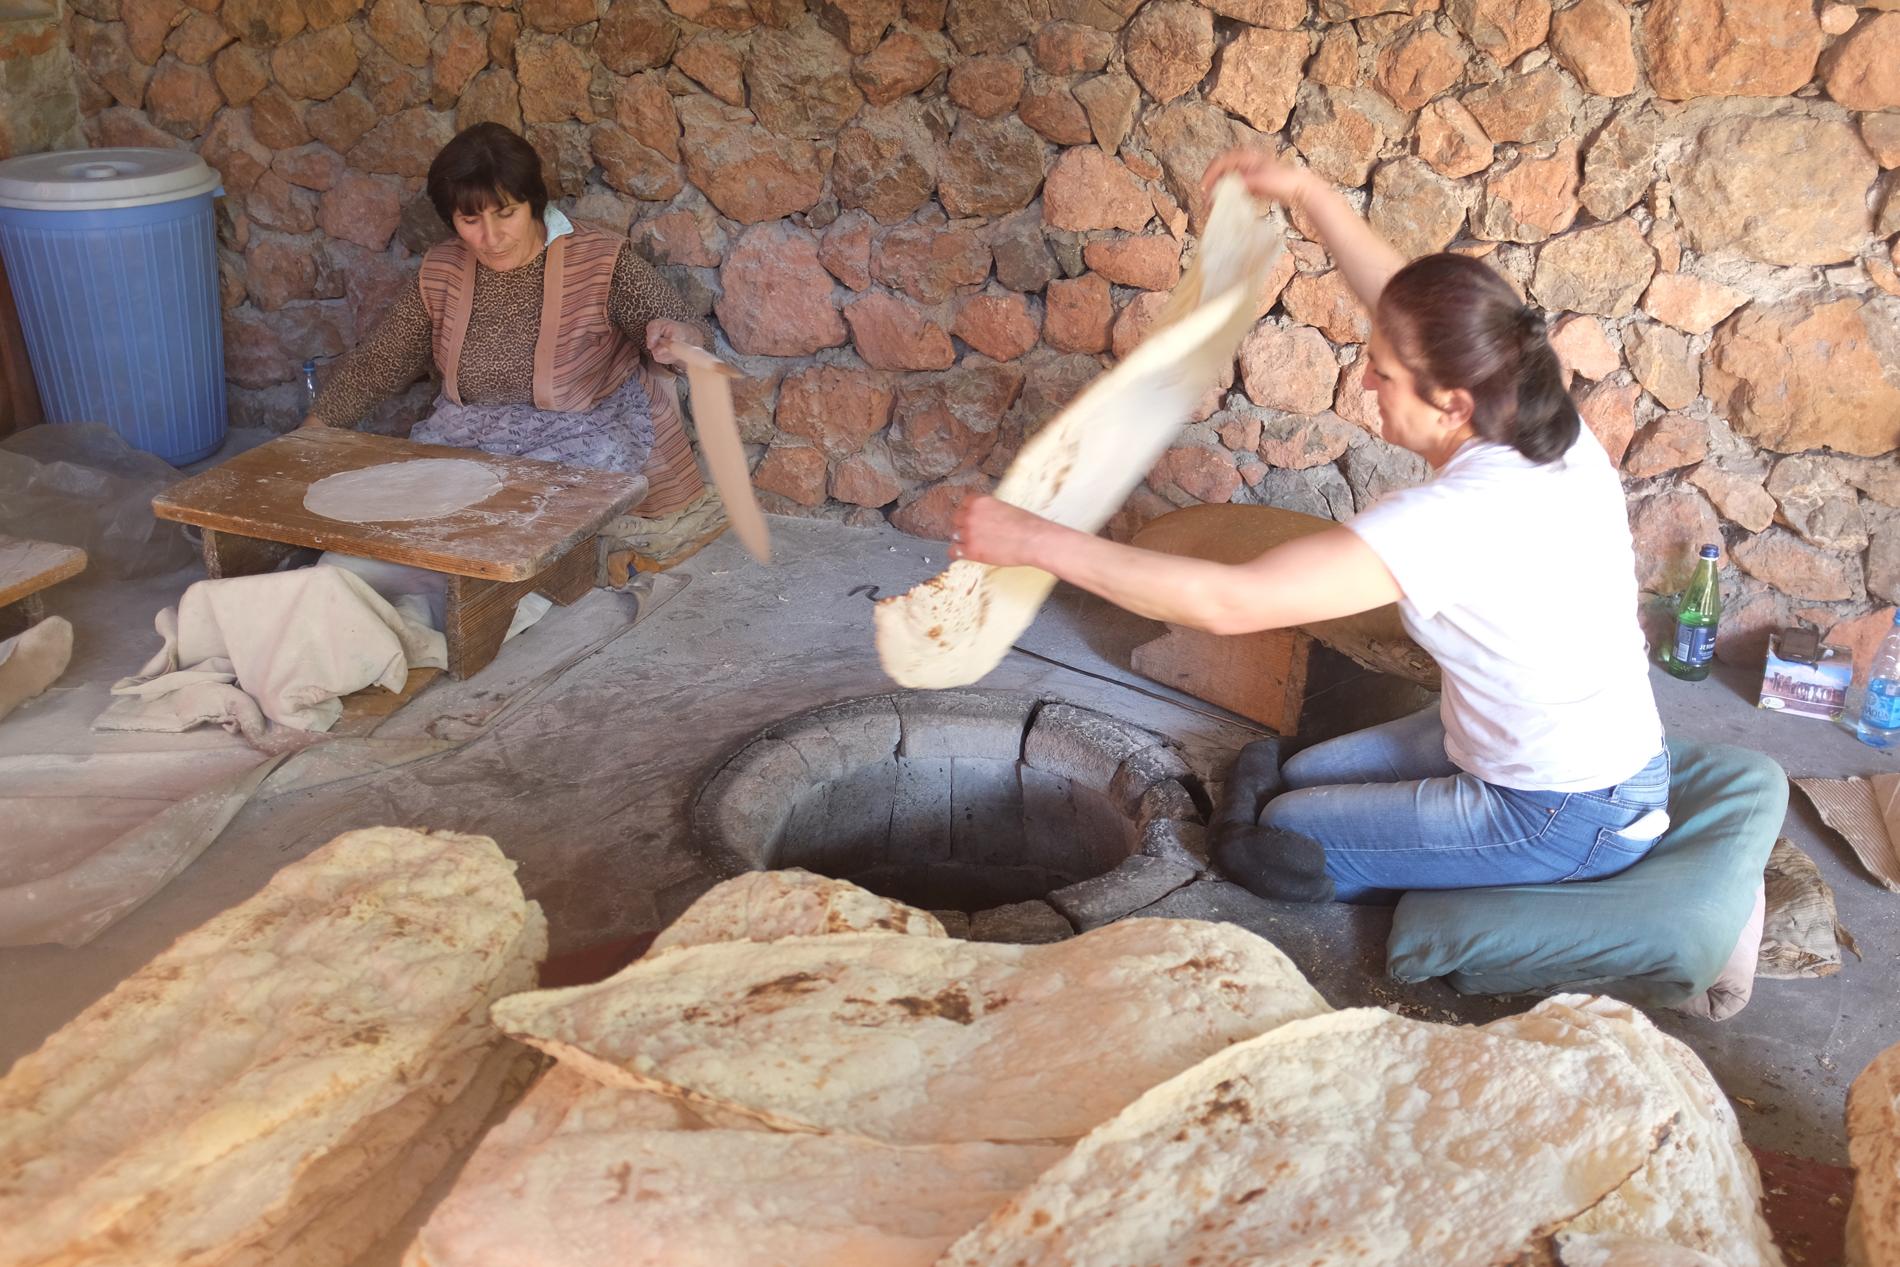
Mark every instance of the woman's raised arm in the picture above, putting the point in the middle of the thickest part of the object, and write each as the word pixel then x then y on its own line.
pixel 1367 260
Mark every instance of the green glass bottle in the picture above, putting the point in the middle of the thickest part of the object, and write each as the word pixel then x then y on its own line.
pixel 1696 617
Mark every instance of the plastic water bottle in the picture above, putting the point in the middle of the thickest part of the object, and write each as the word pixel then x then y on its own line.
pixel 1879 725
pixel 309 387
pixel 1696 617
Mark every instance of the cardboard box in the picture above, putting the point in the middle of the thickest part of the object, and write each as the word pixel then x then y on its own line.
pixel 1809 687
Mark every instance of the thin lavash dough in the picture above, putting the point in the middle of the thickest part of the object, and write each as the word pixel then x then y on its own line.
pixel 425 488
pixel 1079 469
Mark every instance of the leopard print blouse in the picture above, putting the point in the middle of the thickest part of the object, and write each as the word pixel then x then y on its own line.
pixel 498 351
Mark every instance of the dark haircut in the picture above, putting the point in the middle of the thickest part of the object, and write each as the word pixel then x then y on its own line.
pixel 1456 324
pixel 481 168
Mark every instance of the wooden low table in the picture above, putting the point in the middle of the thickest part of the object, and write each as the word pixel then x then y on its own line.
pixel 1281 678
pixel 26 568
pixel 536 535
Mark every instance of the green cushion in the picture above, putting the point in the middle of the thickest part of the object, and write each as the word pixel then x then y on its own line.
pixel 1655 935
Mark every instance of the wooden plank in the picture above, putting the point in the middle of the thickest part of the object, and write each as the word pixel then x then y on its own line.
pixel 227 554
pixel 1261 676
pixel 478 612
pixel 19 393
pixel 541 513
pixel 365 710
pixel 27 567
pixel 1238 534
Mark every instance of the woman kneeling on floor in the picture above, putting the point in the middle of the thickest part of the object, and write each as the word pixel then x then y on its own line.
pixel 1544 759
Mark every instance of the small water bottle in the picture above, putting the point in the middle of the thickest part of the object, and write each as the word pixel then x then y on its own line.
pixel 1879 725
pixel 309 387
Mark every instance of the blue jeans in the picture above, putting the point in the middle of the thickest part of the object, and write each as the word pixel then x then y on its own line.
pixel 1394 813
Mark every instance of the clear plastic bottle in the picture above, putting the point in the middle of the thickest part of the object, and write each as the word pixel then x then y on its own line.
pixel 1879 725
pixel 309 387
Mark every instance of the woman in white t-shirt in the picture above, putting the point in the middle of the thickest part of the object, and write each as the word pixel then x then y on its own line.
pixel 1544 759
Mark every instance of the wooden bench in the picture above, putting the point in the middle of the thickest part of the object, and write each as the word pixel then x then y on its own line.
pixel 1277 676
pixel 537 534
pixel 26 568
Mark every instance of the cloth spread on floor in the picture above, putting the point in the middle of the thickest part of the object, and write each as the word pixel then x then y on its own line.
pixel 32 661
pixel 282 647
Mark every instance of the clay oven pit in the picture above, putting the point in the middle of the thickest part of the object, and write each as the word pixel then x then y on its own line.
pixel 1013 818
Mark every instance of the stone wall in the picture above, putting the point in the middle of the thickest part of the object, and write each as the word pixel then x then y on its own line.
pixel 39 104
pixel 922 225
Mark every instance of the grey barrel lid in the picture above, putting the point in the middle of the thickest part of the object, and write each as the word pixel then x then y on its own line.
pixel 103 180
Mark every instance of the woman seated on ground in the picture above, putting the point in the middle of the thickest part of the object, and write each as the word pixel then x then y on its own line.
pixel 1544 759
pixel 525 372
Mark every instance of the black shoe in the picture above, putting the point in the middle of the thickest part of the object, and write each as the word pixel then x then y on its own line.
pixel 1271 862
pixel 1254 780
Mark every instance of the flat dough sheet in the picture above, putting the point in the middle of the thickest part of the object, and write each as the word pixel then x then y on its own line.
pixel 1078 470
pixel 425 488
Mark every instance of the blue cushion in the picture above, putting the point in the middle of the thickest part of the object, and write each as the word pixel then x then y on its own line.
pixel 1655 935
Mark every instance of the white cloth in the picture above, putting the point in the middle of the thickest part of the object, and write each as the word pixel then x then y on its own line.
pixel 293 642
pixel 1521 581
pixel 556 223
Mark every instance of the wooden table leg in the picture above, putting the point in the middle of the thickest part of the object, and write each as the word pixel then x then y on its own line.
pixel 478 613
pixel 228 554
pixel 17 618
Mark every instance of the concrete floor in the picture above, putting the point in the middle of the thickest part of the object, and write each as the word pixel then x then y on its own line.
pixel 579 748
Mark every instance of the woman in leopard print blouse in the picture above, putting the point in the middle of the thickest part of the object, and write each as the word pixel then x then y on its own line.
pixel 536 327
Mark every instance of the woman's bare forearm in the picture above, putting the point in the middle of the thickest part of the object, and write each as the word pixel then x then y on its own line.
pixel 1367 260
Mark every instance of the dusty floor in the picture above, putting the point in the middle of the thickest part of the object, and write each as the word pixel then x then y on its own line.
pixel 579 748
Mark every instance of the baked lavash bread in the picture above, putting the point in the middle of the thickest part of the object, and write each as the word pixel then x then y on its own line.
pixel 1358 1137
pixel 1873 1146
pixel 914 1040
pixel 582 1172
pixel 768 905
pixel 1700 1191
pixel 1079 468
pixel 274 1087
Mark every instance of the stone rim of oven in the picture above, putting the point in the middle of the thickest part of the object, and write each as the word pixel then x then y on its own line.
pixel 738 813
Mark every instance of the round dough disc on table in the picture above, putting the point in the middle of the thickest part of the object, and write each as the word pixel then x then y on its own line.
pixel 426 488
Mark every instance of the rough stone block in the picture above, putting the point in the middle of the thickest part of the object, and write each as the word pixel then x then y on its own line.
pixel 1142 770
pixel 1080 745
pixel 986 808
pixel 867 730
pixel 920 816
pixel 1166 800
pixel 842 827
pixel 982 724
pixel 1173 840
pixel 1139 881
pixel 740 814
pixel 955 923
pixel 1026 923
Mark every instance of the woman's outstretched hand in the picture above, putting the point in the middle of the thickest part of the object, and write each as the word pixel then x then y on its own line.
pixel 664 336
pixel 1264 175
pixel 991 531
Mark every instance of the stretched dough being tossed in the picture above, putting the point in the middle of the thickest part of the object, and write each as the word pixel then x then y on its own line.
pixel 425 488
pixel 954 628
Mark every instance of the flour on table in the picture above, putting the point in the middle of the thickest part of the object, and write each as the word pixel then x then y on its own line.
pixel 426 488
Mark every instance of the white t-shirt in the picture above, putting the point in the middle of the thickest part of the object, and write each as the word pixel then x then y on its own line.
pixel 1521 581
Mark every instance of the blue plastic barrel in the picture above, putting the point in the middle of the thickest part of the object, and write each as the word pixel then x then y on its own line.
pixel 112 254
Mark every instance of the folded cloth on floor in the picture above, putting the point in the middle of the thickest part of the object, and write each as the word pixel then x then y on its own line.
pixel 32 661
pixel 293 642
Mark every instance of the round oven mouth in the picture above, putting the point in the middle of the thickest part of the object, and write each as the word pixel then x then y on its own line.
pixel 1012 816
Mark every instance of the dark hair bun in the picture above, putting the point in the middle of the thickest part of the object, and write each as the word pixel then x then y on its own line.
pixel 1458 325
